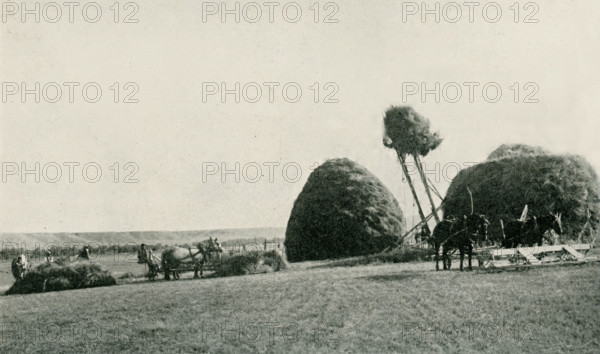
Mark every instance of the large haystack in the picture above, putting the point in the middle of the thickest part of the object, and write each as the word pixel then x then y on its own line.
pixel 343 210
pixel 501 187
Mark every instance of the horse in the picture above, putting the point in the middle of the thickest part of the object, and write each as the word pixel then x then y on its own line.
pixel 213 249
pixel 174 257
pixel 532 231
pixel 442 231
pixel 19 266
pixel 458 234
pixel 474 232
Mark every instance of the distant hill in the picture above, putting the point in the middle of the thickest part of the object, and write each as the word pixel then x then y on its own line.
pixel 136 237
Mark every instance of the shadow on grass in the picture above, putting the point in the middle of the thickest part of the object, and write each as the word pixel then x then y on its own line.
pixel 393 277
pixel 403 255
pixel 527 267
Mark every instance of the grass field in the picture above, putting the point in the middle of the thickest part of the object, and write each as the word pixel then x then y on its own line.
pixel 314 308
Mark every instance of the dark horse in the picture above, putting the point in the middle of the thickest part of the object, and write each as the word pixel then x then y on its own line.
pixel 530 232
pixel 458 234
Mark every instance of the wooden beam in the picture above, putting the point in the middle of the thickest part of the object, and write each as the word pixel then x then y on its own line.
pixel 435 191
pixel 528 256
pixel 410 184
pixel 535 250
pixel 420 223
pixel 574 253
pixel 426 185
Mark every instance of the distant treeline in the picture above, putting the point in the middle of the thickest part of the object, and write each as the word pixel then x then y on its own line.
pixel 11 250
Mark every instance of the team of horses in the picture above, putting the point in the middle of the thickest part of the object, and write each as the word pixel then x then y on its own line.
pixel 464 233
pixel 532 231
pixel 175 259
pixel 460 234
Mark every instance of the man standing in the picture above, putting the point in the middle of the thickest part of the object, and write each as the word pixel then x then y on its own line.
pixel 424 234
pixel 218 249
pixel 85 253
pixel 49 258
pixel 153 265
pixel 142 256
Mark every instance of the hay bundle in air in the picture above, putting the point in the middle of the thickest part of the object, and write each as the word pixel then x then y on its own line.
pixel 342 211
pixel 519 175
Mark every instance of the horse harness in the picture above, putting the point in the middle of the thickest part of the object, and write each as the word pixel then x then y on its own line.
pixel 457 232
pixel 193 255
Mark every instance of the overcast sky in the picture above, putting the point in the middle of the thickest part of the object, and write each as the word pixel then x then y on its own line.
pixel 173 136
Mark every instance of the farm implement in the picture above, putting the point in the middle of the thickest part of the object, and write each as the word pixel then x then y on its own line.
pixel 506 257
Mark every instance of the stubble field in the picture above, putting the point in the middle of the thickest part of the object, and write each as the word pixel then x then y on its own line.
pixel 316 308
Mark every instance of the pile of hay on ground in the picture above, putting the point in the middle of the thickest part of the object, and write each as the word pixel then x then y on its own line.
pixel 501 187
pixel 55 277
pixel 254 262
pixel 342 211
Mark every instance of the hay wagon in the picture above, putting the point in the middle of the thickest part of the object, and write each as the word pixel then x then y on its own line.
pixel 213 259
pixel 494 257
pixel 533 256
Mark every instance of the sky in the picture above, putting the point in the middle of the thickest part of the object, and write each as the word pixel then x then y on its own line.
pixel 177 140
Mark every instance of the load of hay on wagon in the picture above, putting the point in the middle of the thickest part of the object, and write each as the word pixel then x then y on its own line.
pixel 517 175
pixel 56 277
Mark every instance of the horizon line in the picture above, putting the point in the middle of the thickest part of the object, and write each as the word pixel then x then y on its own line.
pixel 136 231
